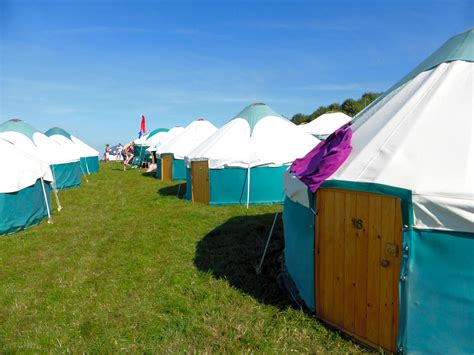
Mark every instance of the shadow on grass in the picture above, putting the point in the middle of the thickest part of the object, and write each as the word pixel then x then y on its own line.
pixel 233 250
pixel 151 174
pixel 173 190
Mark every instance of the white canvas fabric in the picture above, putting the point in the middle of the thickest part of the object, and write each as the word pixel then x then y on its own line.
pixel 272 141
pixel 326 124
pixel 69 145
pixel 420 137
pixel 193 135
pixel 162 138
pixel 19 169
pixel 84 149
pixel 42 147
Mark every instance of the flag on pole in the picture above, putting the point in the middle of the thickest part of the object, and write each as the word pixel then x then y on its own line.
pixel 142 127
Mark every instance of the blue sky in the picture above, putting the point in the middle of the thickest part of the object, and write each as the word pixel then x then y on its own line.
pixel 93 67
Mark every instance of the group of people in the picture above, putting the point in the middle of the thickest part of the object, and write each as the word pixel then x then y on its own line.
pixel 125 151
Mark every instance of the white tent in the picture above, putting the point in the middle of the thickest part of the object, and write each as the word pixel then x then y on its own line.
pixel 193 135
pixel 32 141
pixel 19 169
pixel 257 136
pixel 324 125
pixel 24 189
pixel 63 160
pixel 162 138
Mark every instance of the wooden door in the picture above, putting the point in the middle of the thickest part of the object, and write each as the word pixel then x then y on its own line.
pixel 167 167
pixel 200 181
pixel 358 239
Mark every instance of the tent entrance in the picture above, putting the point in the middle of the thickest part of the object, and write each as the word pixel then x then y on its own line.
pixel 167 167
pixel 200 181
pixel 358 241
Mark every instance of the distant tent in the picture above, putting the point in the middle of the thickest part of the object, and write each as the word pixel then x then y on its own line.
pixel 159 140
pixel 384 250
pixel 172 153
pixel 89 157
pixel 243 161
pixel 324 125
pixel 64 161
pixel 140 153
pixel 24 189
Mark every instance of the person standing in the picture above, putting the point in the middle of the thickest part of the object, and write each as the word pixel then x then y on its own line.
pixel 107 152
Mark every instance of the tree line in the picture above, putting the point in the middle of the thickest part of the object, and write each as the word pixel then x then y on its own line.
pixel 350 107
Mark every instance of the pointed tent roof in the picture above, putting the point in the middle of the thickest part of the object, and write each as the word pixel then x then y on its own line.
pixel 326 124
pixel 257 136
pixel 17 125
pixel 61 136
pixel 253 113
pixel 57 131
pixel 193 135
pixel 418 137
pixel 29 139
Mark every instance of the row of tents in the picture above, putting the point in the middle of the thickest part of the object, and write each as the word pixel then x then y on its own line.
pixel 378 218
pixel 35 165
pixel 240 163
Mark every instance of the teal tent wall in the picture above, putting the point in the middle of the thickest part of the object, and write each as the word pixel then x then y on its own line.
pixel 179 169
pixel 24 208
pixel 436 282
pixel 140 154
pixel 158 168
pixel 89 164
pixel 188 195
pixel 437 296
pixel 229 186
pixel 67 175
pixel 298 229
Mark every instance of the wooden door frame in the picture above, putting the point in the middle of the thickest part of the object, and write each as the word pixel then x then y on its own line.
pixel 193 182
pixel 317 269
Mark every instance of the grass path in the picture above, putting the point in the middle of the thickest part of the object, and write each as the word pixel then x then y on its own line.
pixel 127 266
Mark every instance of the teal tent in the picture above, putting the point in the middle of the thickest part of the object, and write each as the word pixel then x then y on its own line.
pixel 24 189
pixel 243 161
pixel 89 157
pixel 384 249
pixel 64 161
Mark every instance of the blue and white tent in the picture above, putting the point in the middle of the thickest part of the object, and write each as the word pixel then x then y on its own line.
pixel 24 189
pixel 89 157
pixel 64 161
pixel 243 161
pixel 384 249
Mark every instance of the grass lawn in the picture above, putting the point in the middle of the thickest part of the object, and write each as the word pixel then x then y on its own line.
pixel 127 266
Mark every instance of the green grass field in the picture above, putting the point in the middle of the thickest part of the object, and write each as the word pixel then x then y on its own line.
pixel 127 266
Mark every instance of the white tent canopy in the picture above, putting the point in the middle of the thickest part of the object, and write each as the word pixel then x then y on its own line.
pixel 20 169
pixel 162 138
pixel 419 136
pixel 67 140
pixel 257 136
pixel 30 140
pixel 326 124
pixel 193 135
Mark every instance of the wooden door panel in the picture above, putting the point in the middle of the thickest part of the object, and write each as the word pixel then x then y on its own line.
pixel 167 167
pixel 200 181
pixel 357 264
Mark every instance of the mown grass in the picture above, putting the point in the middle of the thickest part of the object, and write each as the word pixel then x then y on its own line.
pixel 127 266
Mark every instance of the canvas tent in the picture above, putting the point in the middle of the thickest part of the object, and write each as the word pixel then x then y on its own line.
pixel 172 153
pixel 89 157
pixel 243 161
pixel 140 151
pixel 384 250
pixel 324 125
pixel 64 161
pixel 158 141
pixel 24 189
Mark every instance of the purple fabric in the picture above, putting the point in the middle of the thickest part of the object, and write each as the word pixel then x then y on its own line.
pixel 324 159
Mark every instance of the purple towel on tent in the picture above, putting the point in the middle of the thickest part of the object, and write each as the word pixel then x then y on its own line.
pixel 324 159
